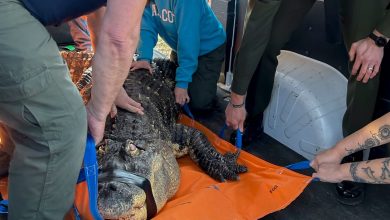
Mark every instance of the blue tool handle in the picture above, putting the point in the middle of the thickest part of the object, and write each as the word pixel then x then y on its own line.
pixel 303 165
pixel 186 108
pixel 238 139
pixel 238 136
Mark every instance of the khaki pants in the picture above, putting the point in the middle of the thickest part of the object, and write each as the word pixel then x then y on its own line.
pixel 43 114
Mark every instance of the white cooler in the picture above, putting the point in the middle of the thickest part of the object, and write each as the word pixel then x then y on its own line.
pixel 307 105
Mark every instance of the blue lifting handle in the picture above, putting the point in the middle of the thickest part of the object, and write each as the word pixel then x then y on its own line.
pixel 4 207
pixel 303 165
pixel 91 175
pixel 238 143
pixel 186 108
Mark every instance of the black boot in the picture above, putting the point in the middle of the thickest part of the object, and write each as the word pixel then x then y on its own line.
pixel 253 128
pixel 351 193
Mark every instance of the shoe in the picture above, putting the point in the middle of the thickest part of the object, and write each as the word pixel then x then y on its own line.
pixel 350 193
pixel 253 128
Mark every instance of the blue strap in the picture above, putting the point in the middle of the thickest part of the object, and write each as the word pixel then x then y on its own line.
pixel 238 136
pixel 186 108
pixel 303 165
pixel 76 213
pixel 91 174
pixel 4 207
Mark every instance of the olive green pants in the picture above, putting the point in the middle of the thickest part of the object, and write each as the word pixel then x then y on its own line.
pixel 268 28
pixel 359 18
pixel 44 115
pixel 203 87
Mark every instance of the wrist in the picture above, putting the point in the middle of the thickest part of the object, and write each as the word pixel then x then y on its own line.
pixel 182 84
pixel 345 174
pixel 236 99
pixel 339 151
pixel 97 115
pixel 377 33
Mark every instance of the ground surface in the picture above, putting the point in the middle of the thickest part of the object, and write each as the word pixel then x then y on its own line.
pixel 318 200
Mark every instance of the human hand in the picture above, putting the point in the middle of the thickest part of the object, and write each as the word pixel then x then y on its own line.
pixel 181 96
pixel 330 156
pixel 125 102
pixel 95 122
pixel 142 64
pixel 235 116
pixel 330 172
pixel 367 57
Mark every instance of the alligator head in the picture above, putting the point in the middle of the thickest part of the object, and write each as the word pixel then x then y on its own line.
pixel 135 181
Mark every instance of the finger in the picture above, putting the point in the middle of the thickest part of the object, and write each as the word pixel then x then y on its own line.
pixel 376 71
pixel 314 164
pixel 113 111
pixel 187 99
pixel 363 71
pixel 134 109
pixel 369 71
pixel 316 176
pixel 134 103
pixel 352 52
pixel 234 126
pixel 356 66
pixel 241 126
pixel 150 70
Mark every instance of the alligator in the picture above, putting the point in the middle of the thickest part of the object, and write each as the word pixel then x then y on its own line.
pixel 138 170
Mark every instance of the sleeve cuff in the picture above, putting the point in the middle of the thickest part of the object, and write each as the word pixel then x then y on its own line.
pixel 182 84
pixel 144 59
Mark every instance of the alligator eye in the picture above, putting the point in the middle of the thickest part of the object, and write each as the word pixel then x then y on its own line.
pixel 131 149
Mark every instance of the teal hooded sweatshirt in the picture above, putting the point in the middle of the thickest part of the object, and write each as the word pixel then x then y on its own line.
pixel 189 27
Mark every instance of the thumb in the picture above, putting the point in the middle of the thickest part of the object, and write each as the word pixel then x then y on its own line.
pixel 113 111
pixel 314 164
pixel 241 126
pixel 352 53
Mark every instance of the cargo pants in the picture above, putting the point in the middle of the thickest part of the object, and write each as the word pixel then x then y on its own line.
pixel 44 115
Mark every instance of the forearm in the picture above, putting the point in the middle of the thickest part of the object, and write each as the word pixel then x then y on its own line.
pixel 94 20
pixel 384 25
pixel 373 171
pixel 111 65
pixel 118 38
pixel 374 134
pixel 236 99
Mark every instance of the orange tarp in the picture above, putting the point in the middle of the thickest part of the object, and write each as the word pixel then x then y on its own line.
pixel 266 188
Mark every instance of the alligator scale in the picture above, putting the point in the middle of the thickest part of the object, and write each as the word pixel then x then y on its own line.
pixel 139 153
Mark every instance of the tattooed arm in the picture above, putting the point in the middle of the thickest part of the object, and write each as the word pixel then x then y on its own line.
pixel 327 163
pixel 373 171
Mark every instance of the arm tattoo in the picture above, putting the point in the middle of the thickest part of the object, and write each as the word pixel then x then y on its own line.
pixel 369 143
pixel 353 171
pixel 385 169
pixel 384 132
pixel 382 135
pixel 370 173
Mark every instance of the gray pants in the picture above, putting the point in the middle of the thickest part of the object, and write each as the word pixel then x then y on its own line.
pixel 43 114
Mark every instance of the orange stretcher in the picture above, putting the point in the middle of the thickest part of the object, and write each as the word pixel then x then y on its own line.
pixel 266 188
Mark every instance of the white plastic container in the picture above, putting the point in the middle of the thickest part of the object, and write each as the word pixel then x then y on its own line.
pixel 307 105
